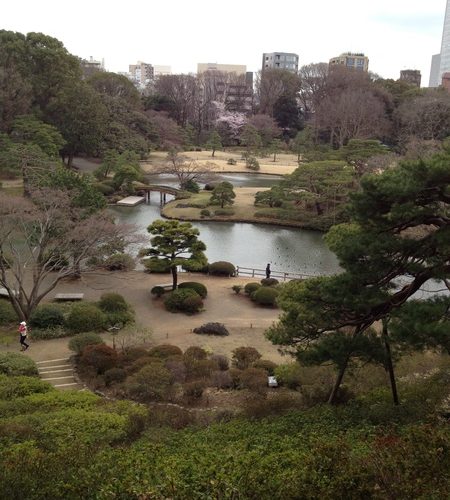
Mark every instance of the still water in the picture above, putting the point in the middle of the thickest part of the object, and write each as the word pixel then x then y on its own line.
pixel 247 245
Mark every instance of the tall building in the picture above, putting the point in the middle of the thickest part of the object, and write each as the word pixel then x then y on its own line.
pixel 141 73
pixel 280 60
pixel 351 60
pixel 411 76
pixel 443 58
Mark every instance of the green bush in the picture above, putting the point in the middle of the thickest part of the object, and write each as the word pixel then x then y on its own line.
pixel 251 287
pixel 237 289
pixel 269 282
pixel 212 329
pixel 12 387
pixel 231 161
pixel 100 357
pixel 85 317
pixel 80 341
pixel 200 288
pixel 289 375
pixel 209 186
pixel 104 188
pixel 112 302
pixel 47 316
pixel 265 364
pixel 192 305
pixel 265 296
pixel 158 291
pixel 164 351
pixel 175 301
pixel 119 262
pixel 14 364
pixel 55 332
pixel 252 163
pixel 194 352
pixel 7 313
pixel 205 212
pixel 151 383
pixel 155 265
pixel 222 268
pixel 198 263
pixel 244 357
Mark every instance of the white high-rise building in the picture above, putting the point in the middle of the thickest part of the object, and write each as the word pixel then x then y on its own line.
pixel 444 56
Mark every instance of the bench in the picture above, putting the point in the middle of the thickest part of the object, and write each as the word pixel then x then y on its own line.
pixel 4 293
pixel 69 296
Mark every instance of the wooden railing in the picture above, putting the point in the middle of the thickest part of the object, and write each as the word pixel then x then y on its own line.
pixel 249 271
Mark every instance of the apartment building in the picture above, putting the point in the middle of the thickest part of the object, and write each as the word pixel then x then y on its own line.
pixel 280 60
pixel 351 60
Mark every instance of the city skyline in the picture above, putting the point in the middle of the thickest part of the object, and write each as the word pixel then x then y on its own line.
pixel 396 36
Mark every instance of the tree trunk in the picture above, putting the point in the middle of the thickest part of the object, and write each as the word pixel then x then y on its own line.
pixel 174 277
pixel 389 364
pixel 213 151
pixel 337 383
pixel 70 160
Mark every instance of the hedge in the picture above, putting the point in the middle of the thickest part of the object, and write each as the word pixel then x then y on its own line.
pixel 200 288
pixel 222 268
pixel 15 364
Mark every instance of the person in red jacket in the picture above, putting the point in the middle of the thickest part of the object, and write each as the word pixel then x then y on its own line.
pixel 23 331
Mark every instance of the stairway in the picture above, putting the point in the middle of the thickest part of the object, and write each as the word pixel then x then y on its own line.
pixel 59 373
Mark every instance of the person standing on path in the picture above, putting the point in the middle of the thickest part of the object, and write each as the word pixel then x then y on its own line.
pixel 23 331
pixel 268 271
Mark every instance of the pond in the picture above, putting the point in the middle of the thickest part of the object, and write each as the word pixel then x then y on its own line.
pixel 247 245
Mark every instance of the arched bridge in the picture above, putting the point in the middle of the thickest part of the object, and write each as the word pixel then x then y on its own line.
pixel 163 191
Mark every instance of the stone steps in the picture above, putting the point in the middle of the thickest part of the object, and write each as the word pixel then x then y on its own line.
pixel 59 373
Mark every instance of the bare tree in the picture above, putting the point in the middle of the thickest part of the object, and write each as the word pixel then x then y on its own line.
pixel 271 84
pixel 313 79
pixel 187 170
pixel 43 238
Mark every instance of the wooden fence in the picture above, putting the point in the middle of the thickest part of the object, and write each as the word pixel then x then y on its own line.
pixel 249 271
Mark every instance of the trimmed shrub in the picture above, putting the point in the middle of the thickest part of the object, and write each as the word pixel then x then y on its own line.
pixel 192 305
pixel 119 318
pixel 56 332
pixel 237 289
pixel 7 313
pixel 194 352
pixel 158 291
pixel 119 262
pixel 151 383
pixel 210 186
pixel 85 317
pixel 265 296
pixel 254 379
pixel 80 341
pixel 14 364
pixel 155 265
pixel 244 357
pixel 115 375
pixel 252 163
pixel 289 375
pixel 193 390
pixel 231 161
pixel 105 189
pixel 251 287
pixel 212 329
pixel 101 357
pixel 265 364
pixel 222 361
pixel 112 302
pixel 47 316
pixel 205 212
pixel 132 354
pixel 191 186
pixel 224 211
pixel 221 379
pixel 175 301
pixel 269 282
pixel 200 288
pixel 222 268
pixel 164 351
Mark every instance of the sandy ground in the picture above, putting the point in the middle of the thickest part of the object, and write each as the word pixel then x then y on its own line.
pixel 245 321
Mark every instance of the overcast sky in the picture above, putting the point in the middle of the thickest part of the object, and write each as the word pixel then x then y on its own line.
pixel 394 34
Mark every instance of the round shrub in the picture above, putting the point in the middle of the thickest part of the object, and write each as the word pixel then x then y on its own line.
pixel 265 296
pixel 200 288
pixel 237 289
pixel 101 357
pixel 115 375
pixel 210 186
pixel 205 212
pixel 132 354
pixel 222 268
pixel 221 361
pixel 47 316
pixel 120 318
pixel 80 341
pixel 155 265
pixel 265 364
pixel 194 352
pixel 105 189
pixel 112 302
pixel 119 262
pixel 193 390
pixel 14 364
pixel 244 357
pixel 269 282
pixel 254 379
pixel 174 302
pixel 151 383
pixel 212 329
pixel 7 313
pixel 164 351
pixel 231 161
pixel 199 368
pixel 221 379
pixel 158 291
pixel 252 163
pixel 251 287
pixel 85 317
pixel 192 305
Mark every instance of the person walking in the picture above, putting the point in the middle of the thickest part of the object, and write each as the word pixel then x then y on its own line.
pixel 268 271
pixel 23 331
